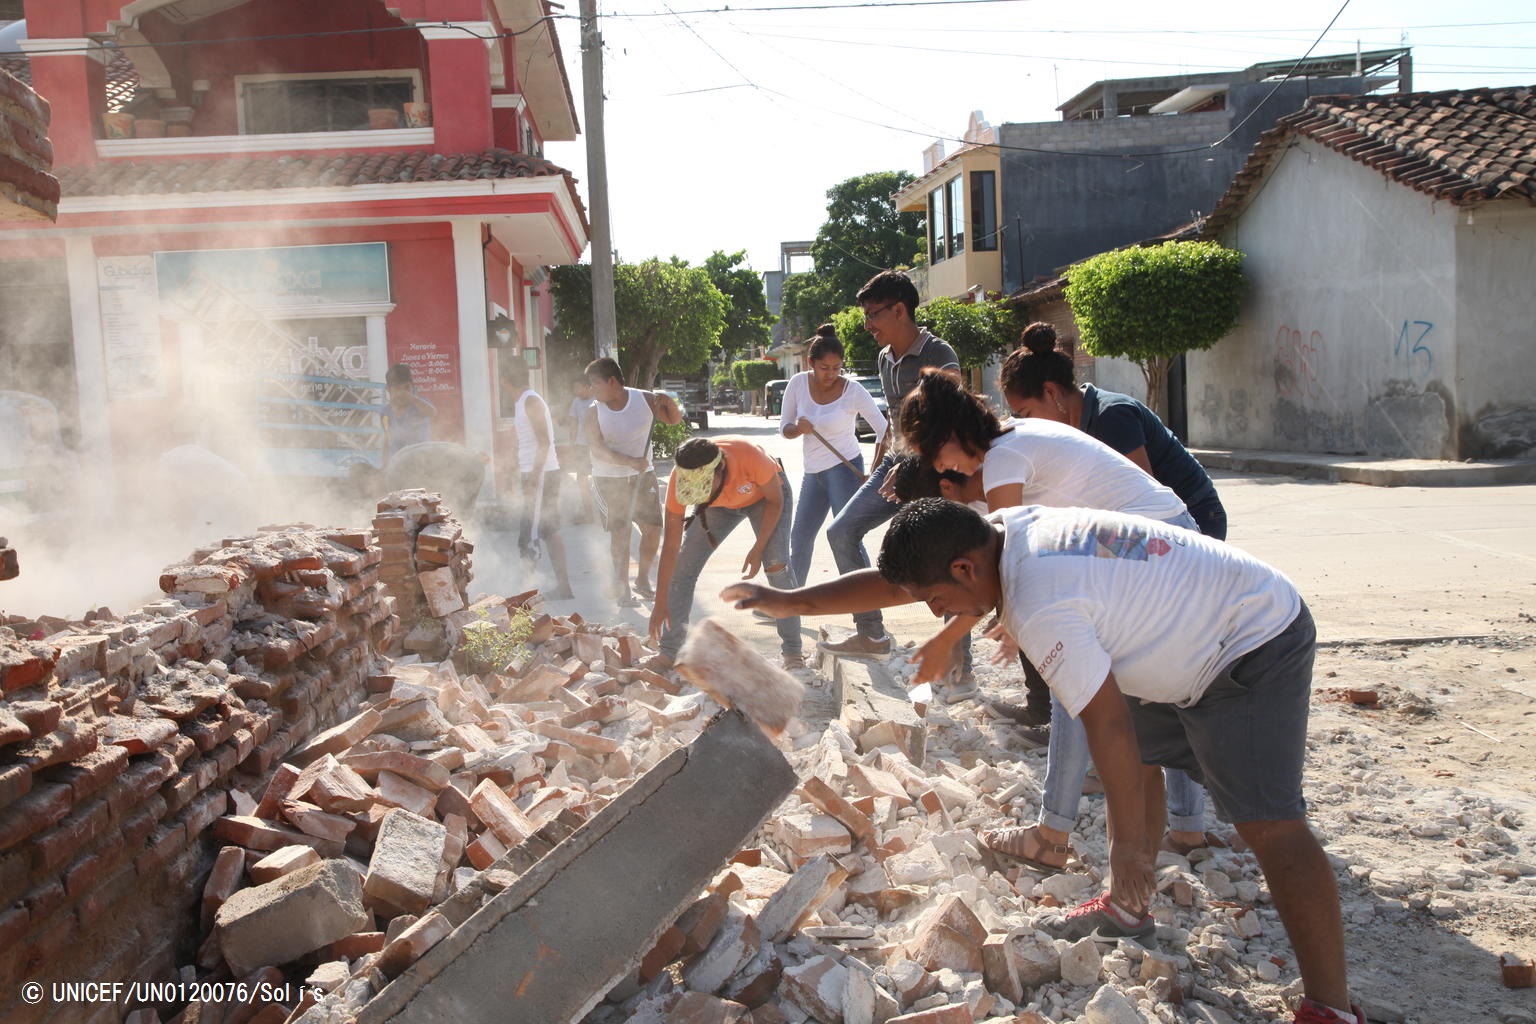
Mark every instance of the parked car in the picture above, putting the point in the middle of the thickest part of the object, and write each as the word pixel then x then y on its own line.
pixel 862 430
pixel 692 397
pixel 690 415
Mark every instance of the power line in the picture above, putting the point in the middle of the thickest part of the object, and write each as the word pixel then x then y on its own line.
pixel 1299 61
pixel 821 72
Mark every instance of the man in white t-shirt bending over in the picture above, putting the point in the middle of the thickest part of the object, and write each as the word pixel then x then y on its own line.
pixel 1174 650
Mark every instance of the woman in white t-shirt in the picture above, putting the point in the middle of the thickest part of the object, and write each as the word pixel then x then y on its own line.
pixel 1028 462
pixel 821 406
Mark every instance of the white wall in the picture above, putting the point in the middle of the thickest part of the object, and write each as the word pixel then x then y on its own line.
pixel 1496 320
pixel 1346 340
pixel 1114 374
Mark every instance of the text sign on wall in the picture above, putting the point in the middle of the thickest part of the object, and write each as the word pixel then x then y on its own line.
pixel 130 326
pixel 286 278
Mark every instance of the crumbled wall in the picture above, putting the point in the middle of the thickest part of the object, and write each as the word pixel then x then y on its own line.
pixel 121 739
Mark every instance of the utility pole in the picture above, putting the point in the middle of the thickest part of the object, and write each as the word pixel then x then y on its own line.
pixel 605 332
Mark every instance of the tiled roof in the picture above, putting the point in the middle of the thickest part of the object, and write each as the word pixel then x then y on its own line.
pixel 122 76
pixel 1467 146
pixel 320 170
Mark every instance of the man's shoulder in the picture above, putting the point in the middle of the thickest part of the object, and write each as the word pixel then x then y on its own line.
pixel 935 347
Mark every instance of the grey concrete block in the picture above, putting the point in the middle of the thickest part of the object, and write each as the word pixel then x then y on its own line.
pixel 284 919
pixel 548 947
pixel 402 873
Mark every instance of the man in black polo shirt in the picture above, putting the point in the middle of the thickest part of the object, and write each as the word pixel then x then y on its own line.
pixel 889 300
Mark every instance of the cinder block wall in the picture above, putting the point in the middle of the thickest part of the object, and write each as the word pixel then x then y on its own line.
pixel 121 740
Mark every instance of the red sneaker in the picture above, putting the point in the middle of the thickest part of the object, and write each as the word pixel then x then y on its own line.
pixel 1310 1012
pixel 1095 919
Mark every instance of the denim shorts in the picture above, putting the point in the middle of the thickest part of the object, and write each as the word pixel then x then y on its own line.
pixel 1246 738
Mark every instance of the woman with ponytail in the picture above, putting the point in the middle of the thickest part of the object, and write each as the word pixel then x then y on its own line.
pixel 1037 383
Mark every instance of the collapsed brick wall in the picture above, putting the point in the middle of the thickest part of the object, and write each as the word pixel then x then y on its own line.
pixel 121 739
pixel 426 567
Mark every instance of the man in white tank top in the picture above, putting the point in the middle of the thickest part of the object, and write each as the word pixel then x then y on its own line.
pixel 619 435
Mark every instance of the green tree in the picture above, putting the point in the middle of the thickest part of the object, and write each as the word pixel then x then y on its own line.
pixel 1149 304
pixel 754 374
pixel 978 331
pixel 862 235
pixel 670 315
pixel 747 320
pixel 859 346
pixel 809 301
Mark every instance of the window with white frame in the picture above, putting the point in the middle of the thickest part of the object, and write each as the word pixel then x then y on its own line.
pixel 323 101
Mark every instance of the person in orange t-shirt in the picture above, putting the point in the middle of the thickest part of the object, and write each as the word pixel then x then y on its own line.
pixel 726 480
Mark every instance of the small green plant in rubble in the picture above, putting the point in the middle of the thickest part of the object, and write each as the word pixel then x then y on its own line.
pixel 487 647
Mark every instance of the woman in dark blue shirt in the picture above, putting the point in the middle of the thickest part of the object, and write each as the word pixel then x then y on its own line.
pixel 1037 382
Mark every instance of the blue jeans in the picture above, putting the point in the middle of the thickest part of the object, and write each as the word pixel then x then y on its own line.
pixel 699 543
pixel 866 510
pixel 820 493
pixel 863 512
pixel 1066 765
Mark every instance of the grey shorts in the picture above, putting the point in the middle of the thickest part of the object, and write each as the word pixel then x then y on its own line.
pixel 1246 738
pixel 627 500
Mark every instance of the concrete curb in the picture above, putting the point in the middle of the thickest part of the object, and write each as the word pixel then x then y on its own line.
pixel 1376 472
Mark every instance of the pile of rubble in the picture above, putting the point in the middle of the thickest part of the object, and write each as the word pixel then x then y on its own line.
pixel 869 898
pixel 866 897
pixel 237 768
pixel 121 737
pixel 333 876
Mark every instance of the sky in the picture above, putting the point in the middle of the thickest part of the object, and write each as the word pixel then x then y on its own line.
pixel 726 124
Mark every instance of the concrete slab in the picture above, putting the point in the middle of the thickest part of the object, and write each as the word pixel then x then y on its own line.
pixel 876 710
pixel 558 938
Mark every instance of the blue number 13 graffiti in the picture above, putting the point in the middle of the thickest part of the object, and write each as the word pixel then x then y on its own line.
pixel 1410 345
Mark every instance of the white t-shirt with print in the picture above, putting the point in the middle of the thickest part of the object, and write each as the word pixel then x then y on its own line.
pixel 1062 466
pixel 1086 592
pixel 835 420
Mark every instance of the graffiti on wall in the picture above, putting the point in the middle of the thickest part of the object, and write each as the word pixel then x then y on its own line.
pixel 1299 364
pixel 1410 354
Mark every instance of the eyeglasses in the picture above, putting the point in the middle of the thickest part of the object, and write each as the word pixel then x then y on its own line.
pixel 870 314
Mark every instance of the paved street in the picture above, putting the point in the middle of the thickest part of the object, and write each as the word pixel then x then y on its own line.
pixel 1373 562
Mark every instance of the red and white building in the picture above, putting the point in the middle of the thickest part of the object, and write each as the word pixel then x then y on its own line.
pixel 263 200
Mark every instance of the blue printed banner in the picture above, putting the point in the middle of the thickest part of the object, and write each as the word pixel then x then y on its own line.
pixel 291 277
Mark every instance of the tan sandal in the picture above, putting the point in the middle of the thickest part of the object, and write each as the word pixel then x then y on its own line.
pixel 1211 840
pixel 1025 844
